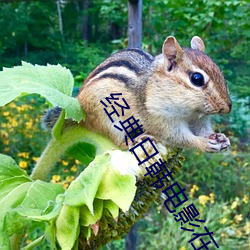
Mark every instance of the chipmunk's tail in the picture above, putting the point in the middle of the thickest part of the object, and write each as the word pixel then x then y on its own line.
pixel 50 117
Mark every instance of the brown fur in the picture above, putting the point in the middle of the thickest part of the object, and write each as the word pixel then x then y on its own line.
pixel 160 94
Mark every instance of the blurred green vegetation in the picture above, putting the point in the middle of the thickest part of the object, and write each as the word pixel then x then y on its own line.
pixel 218 184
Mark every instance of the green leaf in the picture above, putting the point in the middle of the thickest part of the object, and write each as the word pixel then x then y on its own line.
pixel 50 213
pixel 6 186
pixel 86 218
pixel 83 152
pixel 67 226
pixel 20 197
pixel 53 82
pixel 112 208
pixel 50 234
pixel 26 202
pixel 39 194
pixel 118 188
pixel 83 189
pixel 86 231
pixel 9 168
pixel 14 198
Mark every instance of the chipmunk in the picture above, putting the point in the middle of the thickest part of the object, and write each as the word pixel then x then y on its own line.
pixel 172 95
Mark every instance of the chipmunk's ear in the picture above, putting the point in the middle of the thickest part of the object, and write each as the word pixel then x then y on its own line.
pixel 171 49
pixel 197 43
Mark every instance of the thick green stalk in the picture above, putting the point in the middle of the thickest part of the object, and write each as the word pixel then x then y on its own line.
pixel 57 147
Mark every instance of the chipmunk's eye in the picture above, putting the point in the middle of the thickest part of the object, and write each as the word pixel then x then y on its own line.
pixel 197 79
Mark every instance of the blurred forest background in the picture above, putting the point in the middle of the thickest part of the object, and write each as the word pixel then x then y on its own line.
pixel 79 34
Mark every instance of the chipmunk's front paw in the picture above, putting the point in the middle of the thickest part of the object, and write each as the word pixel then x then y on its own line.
pixel 140 138
pixel 217 142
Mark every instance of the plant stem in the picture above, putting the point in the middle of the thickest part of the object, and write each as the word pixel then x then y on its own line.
pixel 57 147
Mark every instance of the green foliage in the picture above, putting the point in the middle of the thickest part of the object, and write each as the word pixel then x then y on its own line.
pixel 163 232
pixel 30 32
pixel 223 25
pixel 92 202
pixel 19 198
pixel 52 82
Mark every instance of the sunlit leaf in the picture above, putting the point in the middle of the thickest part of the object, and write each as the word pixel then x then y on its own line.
pixel 83 189
pixel 53 82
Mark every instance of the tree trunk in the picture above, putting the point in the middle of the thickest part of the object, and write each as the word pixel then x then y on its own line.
pixel 131 238
pixel 135 23
pixel 85 20
pixel 59 16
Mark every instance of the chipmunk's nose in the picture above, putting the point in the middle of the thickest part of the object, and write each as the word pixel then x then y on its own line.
pixel 226 109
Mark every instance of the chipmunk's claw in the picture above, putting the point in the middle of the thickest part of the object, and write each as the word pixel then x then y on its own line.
pixel 140 138
pixel 218 142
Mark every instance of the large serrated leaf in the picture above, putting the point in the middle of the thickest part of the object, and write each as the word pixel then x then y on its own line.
pixel 53 82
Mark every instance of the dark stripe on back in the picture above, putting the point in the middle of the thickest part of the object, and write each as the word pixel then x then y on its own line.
pixel 118 63
pixel 142 53
pixel 118 77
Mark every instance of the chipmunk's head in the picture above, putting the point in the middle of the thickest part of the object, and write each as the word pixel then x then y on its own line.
pixel 194 77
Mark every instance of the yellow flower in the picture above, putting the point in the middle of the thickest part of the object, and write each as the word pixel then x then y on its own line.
pixel 14 123
pixel 73 168
pixel 12 105
pixel 6 149
pixel 6 113
pixel 4 134
pixel 238 159
pixel 224 164
pixel 238 233
pixel 234 152
pixel 70 178
pixel 65 163
pixel 193 190
pixel 65 185
pixel 245 199
pixel 35 159
pixel 6 141
pixel 235 203
pixel 223 235
pixel 182 248
pixel 24 154
pixel 55 178
pixel 211 195
pixel 223 221
pixel 29 124
pixel 238 218
pixel 247 228
pixel 23 164
pixel 77 162
pixel 203 199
